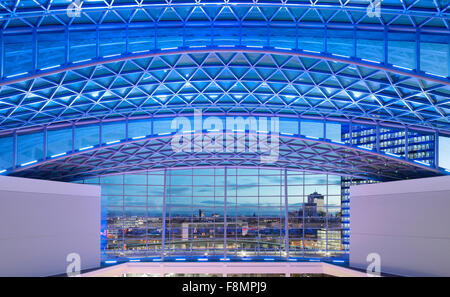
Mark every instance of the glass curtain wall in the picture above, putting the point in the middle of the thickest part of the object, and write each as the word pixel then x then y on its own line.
pixel 226 212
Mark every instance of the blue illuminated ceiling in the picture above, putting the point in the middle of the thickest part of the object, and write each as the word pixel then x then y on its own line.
pixel 423 13
pixel 156 153
pixel 231 82
pixel 324 60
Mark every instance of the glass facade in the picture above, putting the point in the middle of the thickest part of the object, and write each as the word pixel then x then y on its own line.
pixel 226 212
pixel 429 53
pixel 402 143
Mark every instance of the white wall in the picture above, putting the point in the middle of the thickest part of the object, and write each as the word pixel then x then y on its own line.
pixel 41 222
pixel 406 222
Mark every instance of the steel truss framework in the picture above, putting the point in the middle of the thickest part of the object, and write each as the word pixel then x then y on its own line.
pixel 226 81
pixel 222 79
pixel 31 19
pixel 420 14
pixel 218 78
pixel 295 153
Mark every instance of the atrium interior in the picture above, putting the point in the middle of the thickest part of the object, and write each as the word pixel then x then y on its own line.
pixel 223 132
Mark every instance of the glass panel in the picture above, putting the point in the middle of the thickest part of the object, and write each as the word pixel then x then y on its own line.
pixel 226 35
pixel 283 37
pixel 289 126
pixel 86 136
pixel 434 54
pixel 198 36
pixel 334 132
pixel 83 45
pixel 51 49
pixel 402 50
pixel 311 39
pixel 30 147
pixel 340 42
pixel 370 45
pixel 112 42
pixel 312 129
pixel 141 39
pixel 112 132
pixel 169 37
pixel 6 151
pixel 59 141
pixel 18 53
pixel 139 128
pixel 255 36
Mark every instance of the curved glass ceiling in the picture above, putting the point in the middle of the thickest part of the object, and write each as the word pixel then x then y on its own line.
pixel 124 60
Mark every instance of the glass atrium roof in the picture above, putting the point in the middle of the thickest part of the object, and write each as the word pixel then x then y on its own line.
pixel 67 63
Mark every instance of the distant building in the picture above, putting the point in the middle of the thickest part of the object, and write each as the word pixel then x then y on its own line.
pixel 329 240
pixel 315 205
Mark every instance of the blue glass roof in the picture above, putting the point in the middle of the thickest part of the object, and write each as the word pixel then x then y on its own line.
pixel 319 60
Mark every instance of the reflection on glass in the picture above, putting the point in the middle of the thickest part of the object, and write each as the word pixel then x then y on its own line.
pixel 240 212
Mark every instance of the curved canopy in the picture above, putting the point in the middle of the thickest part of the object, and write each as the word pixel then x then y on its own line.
pixel 66 63
pixel 294 153
pixel 229 82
